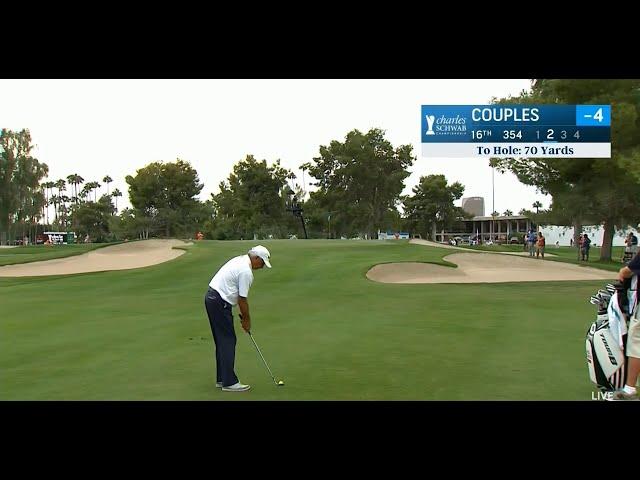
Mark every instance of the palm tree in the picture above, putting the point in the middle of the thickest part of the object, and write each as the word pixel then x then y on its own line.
pixel 48 186
pixel 84 193
pixel 43 191
pixel 96 186
pixel 75 180
pixel 537 205
pixel 116 193
pixel 64 210
pixel 93 186
pixel 71 180
pixel 54 201
pixel 494 214
pixel 523 212
pixel 107 179
pixel 508 213
pixel 61 186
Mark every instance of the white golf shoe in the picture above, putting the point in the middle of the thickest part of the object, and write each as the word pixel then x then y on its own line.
pixel 218 384
pixel 238 387
pixel 622 395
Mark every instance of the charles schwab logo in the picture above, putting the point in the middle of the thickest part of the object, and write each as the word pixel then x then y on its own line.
pixel 446 125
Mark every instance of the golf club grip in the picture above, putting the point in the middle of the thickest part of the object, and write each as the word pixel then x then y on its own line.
pixel 248 331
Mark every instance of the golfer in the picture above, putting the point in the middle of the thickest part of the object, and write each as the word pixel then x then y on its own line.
pixel 229 287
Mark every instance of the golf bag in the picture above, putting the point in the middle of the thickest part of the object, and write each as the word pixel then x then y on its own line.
pixel 606 341
pixel 605 359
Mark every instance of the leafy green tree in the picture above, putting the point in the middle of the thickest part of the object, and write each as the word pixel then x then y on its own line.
pixel 361 178
pixel 92 218
pixel 252 201
pixel 431 205
pixel 130 224
pixel 164 193
pixel 20 176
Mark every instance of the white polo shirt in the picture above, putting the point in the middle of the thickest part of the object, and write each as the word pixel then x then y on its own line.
pixel 233 279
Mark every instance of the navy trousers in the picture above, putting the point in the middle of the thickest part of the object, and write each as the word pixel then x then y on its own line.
pixel 224 336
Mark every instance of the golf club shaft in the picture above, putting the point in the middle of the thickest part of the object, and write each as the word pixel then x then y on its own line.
pixel 262 356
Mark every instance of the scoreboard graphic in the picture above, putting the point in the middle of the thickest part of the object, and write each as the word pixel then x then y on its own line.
pixel 536 131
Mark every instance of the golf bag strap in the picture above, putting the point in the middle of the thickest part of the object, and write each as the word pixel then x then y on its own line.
pixel 633 298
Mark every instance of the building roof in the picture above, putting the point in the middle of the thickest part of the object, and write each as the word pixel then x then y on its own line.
pixel 502 217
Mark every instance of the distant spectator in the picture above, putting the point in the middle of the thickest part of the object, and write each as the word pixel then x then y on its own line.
pixel 586 244
pixel 540 245
pixel 531 242
pixel 631 247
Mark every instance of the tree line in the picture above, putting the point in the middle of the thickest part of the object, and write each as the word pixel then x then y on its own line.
pixel 26 197
pixel 358 181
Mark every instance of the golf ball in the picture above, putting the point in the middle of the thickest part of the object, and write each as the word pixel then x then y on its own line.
pixel 280 382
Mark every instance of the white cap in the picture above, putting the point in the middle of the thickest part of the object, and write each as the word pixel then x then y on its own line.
pixel 263 253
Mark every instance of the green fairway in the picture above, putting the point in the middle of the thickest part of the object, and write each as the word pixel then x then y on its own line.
pixel 37 253
pixel 324 328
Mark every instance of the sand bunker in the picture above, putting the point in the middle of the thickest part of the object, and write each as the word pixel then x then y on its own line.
pixel 118 257
pixel 485 268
